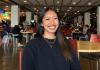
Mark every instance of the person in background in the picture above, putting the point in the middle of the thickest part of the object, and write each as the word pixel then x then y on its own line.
pixel 85 29
pixel 16 30
pixel 51 51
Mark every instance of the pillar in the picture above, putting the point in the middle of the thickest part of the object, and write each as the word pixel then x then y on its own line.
pixel 98 20
pixel 87 18
pixel 28 17
pixel 14 15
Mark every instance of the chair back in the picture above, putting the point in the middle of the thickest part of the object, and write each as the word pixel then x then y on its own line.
pixel 95 38
pixel 74 44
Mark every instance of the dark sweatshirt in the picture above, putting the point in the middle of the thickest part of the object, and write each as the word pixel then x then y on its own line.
pixel 38 55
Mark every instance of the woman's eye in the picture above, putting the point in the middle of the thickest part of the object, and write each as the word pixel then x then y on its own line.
pixel 47 19
pixel 55 18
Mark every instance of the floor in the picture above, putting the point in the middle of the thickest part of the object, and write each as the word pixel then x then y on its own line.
pixel 8 61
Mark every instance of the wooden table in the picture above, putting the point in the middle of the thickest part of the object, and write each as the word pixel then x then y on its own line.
pixel 87 46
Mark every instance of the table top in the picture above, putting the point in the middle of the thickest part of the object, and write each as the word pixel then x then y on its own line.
pixel 26 32
pixel 87 46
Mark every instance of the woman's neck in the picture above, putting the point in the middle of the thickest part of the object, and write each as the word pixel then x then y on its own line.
pixel 49 36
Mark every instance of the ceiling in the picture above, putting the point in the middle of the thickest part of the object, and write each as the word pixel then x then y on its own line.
pixel 64 7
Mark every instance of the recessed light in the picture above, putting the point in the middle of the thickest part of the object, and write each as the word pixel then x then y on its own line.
pixel 58 2
pixel 65 13
pixel 25 1
pixel 75 13
pixel 73 3
pixel 70 7
pixel 89 3
pixel 68 10
pixel 78 11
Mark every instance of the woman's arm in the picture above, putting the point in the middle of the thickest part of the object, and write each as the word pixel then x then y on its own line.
pixel 28 59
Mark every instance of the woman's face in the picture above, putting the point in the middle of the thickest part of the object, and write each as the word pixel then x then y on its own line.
pixel 50 22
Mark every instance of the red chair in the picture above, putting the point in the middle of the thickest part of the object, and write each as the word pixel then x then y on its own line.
pixel 95 38
pixel 20 58
pixel 74 44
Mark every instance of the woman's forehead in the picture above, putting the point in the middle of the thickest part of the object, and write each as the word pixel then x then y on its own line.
pixel 50 13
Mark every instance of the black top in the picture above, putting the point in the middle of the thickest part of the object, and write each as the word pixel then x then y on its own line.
pixel 38 55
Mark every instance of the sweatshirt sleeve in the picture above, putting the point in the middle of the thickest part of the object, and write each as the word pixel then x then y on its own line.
pixel 28 62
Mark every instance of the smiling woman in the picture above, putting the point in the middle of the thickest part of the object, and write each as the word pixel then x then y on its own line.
pixel 51 51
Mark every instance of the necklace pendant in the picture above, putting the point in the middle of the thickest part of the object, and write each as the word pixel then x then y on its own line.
pixel 51 46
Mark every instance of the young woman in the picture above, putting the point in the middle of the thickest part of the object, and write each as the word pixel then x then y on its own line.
pixel 51 51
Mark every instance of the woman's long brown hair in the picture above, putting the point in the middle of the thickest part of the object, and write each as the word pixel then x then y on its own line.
pixel 64 45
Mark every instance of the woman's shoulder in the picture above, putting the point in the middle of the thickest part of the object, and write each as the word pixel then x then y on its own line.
pixel 34 43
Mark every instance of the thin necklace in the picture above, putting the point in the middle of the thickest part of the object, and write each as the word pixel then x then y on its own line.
pixel 50 42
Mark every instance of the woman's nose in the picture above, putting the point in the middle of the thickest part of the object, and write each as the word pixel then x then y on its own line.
pixel 52 22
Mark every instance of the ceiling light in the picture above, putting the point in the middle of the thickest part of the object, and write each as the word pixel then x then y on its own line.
pixel 65 13
pixel 73 3
pixel 58 2
pixel 68 10
pixel 78 11
pixel 75 13
pixel 25 1
pixel 70 7
pixel 89 3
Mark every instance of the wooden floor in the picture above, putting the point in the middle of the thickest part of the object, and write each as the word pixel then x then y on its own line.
pixel 9 60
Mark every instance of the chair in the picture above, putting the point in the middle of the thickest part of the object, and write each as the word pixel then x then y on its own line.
pixel 20 58
pixel 74 45
pixel 95 38
pixel 5 43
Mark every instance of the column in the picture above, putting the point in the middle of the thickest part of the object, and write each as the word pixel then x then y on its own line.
pixel 28 17
pixel 80 19
pixel 98 20
pixel 14 15
pixel 87 18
